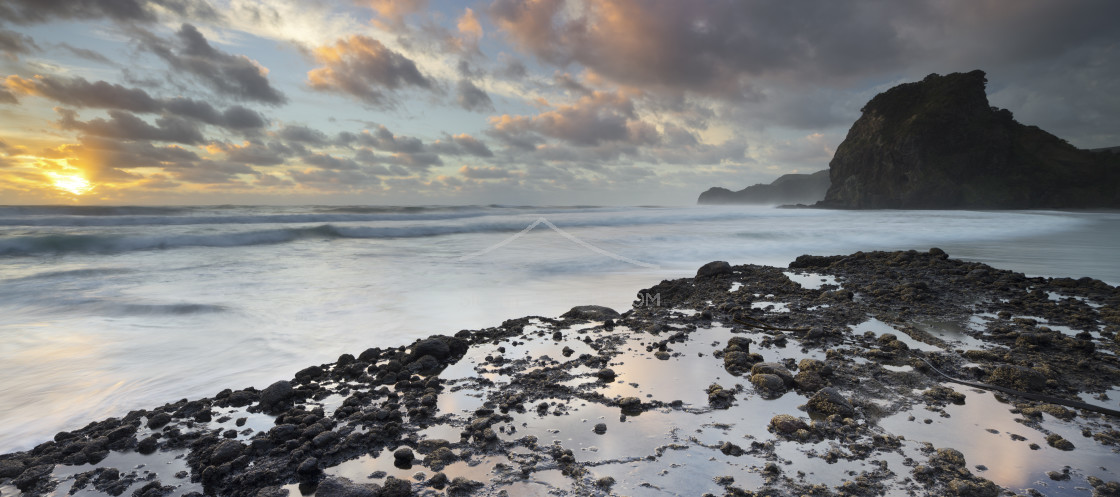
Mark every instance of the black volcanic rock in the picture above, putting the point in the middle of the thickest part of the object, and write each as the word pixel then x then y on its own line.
pixel 787 189
pixel 938 144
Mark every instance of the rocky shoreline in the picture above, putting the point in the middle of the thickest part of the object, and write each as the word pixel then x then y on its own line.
pixel 829 377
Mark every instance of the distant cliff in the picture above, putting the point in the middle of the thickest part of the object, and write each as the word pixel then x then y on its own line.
pixel 938 144
pixel 787 189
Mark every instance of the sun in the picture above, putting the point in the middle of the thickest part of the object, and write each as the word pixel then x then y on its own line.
pixel 71 183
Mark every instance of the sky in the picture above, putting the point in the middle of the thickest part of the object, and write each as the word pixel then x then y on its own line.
pixel 515 102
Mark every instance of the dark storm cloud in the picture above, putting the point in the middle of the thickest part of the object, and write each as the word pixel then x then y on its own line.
pixel 362 67
pixel 13 44
pixel 706 46
pixel 126 126
pixel 235 76
pixel 720 48
pixel 472 98
pixel 36 11
pixel 78 92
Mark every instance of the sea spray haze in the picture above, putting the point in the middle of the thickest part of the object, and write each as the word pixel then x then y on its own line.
pixel 104 309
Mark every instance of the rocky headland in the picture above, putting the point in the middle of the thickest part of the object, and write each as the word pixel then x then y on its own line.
pixel 787 189
pixel 938 144
pixel 863 374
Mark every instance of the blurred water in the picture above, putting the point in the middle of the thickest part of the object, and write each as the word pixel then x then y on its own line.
pixel 104 310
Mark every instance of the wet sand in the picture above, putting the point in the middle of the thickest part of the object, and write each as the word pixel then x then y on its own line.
pixel 818 379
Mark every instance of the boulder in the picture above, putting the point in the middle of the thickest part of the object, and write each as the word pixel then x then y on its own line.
pixel 786 424
pixel 591 313
pixel 768 385
pixel 773 368
pixel 276 393
pixel 336 486
pixel 714 268
pixel 432 346
pixel 829 401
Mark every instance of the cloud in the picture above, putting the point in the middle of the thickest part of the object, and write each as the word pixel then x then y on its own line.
pixel 106 159
pixel 210 172
pixel 472 98
pixel 395 10
pixel 270 180
pixel 490 172
pixel 36 11
pixel 596 118
pixel 125 126
pixel 325 161
pixel 235 76
pixel 254 152
pixel 362 67
pixel 7 97
pixel 383 139
pixel 13 44
pixel 78 92
pixel 86 54
pixel 461 144
pixel 711 47
pixel 731 49
pixel 414 161
pixel 511 68
pixel 303 134
pixel 335 180
pixel 468 26
pixel 407 153
pixel 571 84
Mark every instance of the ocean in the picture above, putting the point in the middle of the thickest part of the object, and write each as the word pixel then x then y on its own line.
pixel 108 309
